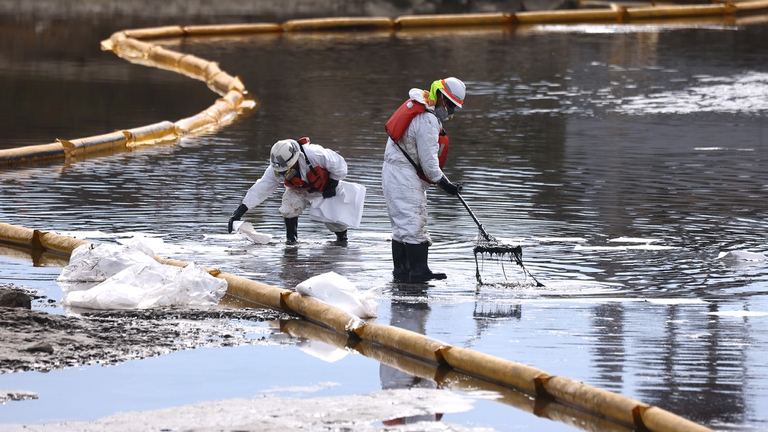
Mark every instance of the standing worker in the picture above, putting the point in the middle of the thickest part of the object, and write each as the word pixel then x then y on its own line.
pixel 414 157
pixel 308 172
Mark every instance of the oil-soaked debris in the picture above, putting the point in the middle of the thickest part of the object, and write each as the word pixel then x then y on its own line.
pixel 15 299
pixel 16 395
pixel 164 314
pixel 500 252
pixel 13 296
pixel 41 341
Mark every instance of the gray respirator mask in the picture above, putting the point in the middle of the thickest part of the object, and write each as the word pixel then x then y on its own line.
pixel 443 113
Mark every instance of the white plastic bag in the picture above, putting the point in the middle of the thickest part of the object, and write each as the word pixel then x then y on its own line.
pixel 131 278
pixel 148 286
pixel 339 292
pixel 97 262
pixel 245 230
pixel 346 207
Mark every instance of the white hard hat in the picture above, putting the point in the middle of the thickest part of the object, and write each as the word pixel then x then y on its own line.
pixel 454 89
pixel 284 154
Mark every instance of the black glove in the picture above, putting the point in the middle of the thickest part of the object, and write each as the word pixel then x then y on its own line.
pixel 450 188
pixel 330 188
pixel 241 209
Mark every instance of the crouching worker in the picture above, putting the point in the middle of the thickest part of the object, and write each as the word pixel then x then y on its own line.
pixel 308 172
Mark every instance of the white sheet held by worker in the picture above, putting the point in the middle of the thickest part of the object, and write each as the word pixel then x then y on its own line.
pixel 346 207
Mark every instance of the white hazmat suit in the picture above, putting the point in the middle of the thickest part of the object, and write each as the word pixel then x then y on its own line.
pixel 295 200
pixel 405 193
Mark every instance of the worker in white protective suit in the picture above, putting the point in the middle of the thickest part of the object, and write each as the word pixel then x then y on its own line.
pixel 413 160
pixel 308 171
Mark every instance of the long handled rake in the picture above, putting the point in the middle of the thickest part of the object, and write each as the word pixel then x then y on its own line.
pixel 492 247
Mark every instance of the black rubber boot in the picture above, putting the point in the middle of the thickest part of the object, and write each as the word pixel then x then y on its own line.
pixel 341 238
pixel 402 270
pixel 291 230
pixel 417 259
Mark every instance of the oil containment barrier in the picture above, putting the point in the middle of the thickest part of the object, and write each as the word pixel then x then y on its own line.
pixel 135 45
pixel 523 386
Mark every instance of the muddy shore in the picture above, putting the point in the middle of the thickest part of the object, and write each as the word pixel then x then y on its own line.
pixel 35 340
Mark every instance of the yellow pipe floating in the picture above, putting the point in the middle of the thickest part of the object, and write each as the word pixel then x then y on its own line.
pixel 194 123
pixel 132 48
pixel 231 29
pixel 220 110
pixel 658 420
pixel 155 32
pixel 194 66
pixel 223 82
pixel 605 403
pixel 404 341
pixel 164 131
pixel 319 312
pixel 99 143
pixel 256 292
pixel 481 19
pixel 342 23
pixel 164 57
pixel 567 16
pixel 520 376
pixel 16 235
pixel 235 98
pixel 750 6
pixel 664 12
pixel 32 154
pixel 57 243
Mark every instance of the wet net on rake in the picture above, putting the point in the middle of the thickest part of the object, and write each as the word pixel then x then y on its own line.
pixel 499 252
pixel 486 244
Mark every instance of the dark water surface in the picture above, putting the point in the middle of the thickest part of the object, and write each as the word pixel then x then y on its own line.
pixel 624 158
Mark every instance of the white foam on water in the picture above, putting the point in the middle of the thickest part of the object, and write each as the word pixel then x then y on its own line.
pixel 739 313
pixel 673 301
pixel 634 240
pixel 742 256
pixel 560 239
pixel 85 234
pixel 747 93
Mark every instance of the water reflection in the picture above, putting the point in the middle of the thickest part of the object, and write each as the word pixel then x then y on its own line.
pixel 408 312
pixel 711 354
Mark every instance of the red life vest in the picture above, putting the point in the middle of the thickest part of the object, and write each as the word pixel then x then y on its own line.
pixel 402 118
pixel 317 176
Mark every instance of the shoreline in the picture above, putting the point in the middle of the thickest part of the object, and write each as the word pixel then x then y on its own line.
pixel 253 10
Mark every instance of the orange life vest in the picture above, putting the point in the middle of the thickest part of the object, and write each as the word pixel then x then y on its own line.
pixel 317 176
pixel 399 122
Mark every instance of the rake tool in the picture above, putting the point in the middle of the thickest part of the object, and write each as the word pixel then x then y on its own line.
pixel 492 247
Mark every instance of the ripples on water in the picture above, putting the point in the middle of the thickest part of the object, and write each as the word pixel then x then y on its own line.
pixel 623 159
